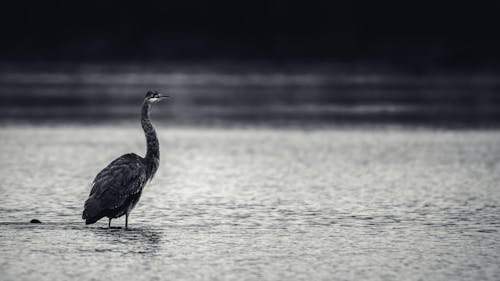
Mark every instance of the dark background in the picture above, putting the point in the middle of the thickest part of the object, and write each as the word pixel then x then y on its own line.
pixel 449 34
pixel 275 61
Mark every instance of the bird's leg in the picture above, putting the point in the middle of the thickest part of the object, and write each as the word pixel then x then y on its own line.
pixel 126 221
pixel 109 223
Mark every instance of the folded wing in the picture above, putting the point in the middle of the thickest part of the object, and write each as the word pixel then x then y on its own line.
pixel 122 178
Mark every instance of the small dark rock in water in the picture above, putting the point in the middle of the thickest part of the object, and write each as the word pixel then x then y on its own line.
pixel 35 221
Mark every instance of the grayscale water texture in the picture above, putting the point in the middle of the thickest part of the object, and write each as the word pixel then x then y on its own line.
pixel 256 204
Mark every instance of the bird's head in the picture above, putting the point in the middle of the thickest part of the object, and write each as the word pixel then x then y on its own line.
pixel 154 96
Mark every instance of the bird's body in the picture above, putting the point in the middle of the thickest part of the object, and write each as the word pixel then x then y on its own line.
pixel 118 187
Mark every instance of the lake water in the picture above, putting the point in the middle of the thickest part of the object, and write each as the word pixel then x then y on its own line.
pixel 256 204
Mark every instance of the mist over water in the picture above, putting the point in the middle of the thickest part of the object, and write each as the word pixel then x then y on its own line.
pixel 256 203
pixel 249 93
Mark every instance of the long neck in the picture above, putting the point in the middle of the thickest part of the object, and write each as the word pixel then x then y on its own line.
pixel 153 146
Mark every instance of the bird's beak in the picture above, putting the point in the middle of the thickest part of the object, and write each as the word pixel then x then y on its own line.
pixel 163 97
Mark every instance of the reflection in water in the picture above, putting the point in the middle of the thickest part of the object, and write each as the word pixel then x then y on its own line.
pixel 135 240
pixel 132 241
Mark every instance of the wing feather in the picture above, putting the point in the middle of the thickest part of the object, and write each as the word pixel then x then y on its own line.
pixel 122 178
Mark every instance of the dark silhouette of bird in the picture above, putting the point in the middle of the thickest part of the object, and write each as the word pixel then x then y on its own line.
pixel 118 187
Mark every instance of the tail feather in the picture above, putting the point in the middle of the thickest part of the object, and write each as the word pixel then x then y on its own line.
pixel 92 211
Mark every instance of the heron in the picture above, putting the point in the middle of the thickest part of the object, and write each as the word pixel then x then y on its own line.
pixel 117 188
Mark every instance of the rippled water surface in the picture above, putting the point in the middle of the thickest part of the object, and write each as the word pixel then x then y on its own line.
pixel 256 203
